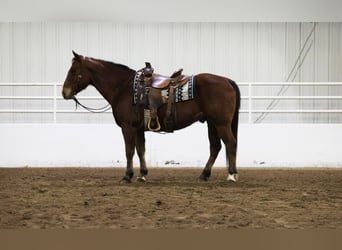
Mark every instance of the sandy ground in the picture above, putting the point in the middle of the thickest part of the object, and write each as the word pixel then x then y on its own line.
pixel 172 198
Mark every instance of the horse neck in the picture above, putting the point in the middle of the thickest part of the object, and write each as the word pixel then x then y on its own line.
pixel 109 79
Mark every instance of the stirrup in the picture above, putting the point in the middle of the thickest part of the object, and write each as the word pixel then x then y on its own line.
pixel 153 129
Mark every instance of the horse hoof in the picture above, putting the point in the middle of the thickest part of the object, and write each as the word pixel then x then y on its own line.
pixel 203 178
pixel 232 178
pixel 125 180
pixel 141 179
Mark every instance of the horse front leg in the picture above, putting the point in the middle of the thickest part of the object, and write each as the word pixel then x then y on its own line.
pixel 140 146
pixel 129 134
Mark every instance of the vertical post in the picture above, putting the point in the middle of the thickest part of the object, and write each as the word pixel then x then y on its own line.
pixel 249 102
pixel 55 103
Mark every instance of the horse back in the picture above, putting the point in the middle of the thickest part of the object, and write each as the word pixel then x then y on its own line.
pixel 217 89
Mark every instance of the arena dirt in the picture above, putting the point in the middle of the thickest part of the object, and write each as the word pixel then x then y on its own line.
pixel 172 198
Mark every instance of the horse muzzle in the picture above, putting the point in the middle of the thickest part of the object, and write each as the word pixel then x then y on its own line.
pixel 67 93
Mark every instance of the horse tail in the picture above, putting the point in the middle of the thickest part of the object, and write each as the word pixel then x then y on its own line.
pixel 235 121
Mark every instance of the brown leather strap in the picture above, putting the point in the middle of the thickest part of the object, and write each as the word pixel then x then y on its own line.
pixel 169 119
pixel 169 102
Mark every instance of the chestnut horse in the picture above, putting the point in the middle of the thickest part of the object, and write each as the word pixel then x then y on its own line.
pixel 216 101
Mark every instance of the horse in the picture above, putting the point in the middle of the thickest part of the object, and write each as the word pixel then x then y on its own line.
pixel 216 101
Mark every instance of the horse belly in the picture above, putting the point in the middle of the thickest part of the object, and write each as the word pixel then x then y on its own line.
pixel 186 113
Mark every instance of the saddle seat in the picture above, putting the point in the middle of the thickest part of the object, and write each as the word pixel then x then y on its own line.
pixel 163 82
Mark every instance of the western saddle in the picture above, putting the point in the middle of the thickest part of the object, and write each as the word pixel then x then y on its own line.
pixel 152 85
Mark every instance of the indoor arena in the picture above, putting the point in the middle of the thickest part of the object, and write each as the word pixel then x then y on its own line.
pixel 186 122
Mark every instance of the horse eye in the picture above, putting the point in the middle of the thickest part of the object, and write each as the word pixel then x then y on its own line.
pixel 79 77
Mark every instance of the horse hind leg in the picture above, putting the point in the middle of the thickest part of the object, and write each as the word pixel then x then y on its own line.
pixel 226 134
pixel 215 147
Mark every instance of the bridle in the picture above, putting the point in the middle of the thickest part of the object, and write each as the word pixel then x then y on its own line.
pixel 93 110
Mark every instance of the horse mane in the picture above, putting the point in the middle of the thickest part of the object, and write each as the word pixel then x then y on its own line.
pixel 109 63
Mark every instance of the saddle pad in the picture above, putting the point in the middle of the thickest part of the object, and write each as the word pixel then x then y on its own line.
pixel 184 93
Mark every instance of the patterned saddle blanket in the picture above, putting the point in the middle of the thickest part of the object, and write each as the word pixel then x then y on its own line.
pixel 182 93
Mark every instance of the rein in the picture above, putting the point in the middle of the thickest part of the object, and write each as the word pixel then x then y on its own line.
pixel 92 110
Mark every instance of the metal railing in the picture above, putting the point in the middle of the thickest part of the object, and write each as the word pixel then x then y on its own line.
pixel 248 96
pixel 251 98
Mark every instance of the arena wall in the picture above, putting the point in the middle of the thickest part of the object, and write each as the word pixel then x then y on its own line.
pixel 262 145
pixel 39 128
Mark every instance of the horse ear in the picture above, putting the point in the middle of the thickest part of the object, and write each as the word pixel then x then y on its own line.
pixel 77 56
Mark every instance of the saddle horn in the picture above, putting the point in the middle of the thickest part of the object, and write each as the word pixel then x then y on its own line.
pixel 148 70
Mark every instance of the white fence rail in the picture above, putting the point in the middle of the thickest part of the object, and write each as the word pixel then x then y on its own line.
pixel 248 90
pixel 251 97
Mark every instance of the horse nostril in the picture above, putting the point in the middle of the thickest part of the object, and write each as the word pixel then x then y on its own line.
pixel 66 92
pixel 63 93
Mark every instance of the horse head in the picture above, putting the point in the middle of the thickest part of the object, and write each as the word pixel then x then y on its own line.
pixel 78 77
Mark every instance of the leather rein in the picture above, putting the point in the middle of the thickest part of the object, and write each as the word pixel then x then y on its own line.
pixel 92 110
